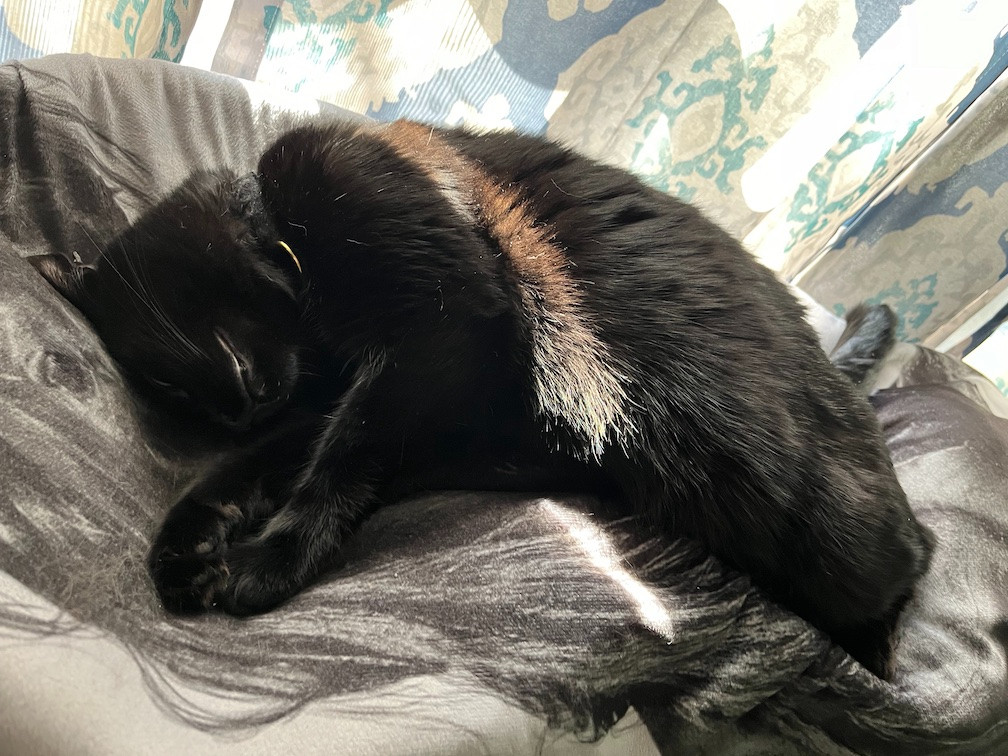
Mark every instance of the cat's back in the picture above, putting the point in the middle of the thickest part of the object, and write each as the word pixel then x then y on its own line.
pixel 667 289
pixel 636 247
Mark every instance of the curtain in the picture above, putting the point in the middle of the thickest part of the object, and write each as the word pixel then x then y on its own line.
pixel 858 147
pixel 108 28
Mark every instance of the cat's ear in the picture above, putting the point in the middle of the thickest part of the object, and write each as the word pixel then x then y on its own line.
pixel 66 276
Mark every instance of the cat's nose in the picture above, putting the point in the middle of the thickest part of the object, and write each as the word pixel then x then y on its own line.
pixel 260 389
pixel 259 399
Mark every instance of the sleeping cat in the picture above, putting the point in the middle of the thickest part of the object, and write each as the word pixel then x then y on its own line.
pixel 381 310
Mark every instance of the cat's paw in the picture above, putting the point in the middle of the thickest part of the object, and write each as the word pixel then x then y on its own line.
pixel 187 562
pixel 189 583
pixel 263 573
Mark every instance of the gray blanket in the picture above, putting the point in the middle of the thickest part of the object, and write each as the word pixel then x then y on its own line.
pixel 464 621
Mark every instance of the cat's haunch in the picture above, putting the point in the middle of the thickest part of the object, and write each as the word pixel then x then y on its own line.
pixel 400 308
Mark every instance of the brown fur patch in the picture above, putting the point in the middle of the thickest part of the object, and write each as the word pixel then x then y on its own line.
pixel 577 380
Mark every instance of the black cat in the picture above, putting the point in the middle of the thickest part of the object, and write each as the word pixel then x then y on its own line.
pixel 396 308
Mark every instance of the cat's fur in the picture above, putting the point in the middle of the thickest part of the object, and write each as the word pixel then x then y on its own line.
pixel 458 310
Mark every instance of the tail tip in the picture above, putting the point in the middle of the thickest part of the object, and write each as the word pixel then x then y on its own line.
pixel 869 336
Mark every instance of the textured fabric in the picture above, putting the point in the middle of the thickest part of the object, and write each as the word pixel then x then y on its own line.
pixel 463 621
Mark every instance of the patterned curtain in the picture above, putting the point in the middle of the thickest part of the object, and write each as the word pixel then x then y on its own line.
pixel 107 28
pixel 858 147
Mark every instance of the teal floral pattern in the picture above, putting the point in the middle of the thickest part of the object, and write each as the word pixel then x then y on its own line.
pixel 170 42
pixel 816 206
pixel 315 43
pixel 740 88
pixel 127 16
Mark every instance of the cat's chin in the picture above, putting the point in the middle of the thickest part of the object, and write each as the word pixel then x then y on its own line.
pixel 236 426
pixel 256 417
pixel 186 427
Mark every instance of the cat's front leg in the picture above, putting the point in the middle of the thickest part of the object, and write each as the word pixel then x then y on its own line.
pixel 337 488
pixel 301 540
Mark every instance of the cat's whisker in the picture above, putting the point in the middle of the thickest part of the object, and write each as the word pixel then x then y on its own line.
pixel 158 317
pixel 144 295
pixel 89 237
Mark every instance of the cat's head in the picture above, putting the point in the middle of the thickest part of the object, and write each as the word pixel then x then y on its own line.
pixel 198 300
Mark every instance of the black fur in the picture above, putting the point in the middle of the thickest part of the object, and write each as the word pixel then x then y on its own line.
pixel 476 311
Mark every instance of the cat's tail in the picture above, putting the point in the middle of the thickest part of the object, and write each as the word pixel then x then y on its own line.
pixel 869 336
